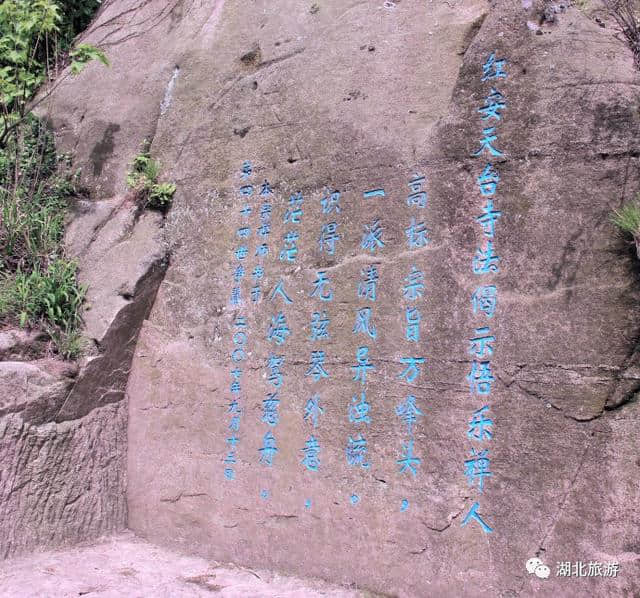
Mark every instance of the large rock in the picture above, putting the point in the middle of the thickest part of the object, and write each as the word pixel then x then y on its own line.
pixel 62 445
pixel 355 97
pixel 21 344
pixel 122 261
pixel 63 427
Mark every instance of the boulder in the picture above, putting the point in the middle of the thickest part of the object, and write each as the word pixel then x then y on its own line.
pixel 312 468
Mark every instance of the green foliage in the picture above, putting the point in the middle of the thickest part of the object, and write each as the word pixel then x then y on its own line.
pixel 52 295
pixel 143 179
pixel 24 27
pixel 161 195
pixel 68 342
pixel 38 284
pixel 32 34
pixel 32 198
pixel 84 53
pixel 627 218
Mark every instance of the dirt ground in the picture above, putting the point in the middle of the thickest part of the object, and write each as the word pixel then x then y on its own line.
pixel 126 566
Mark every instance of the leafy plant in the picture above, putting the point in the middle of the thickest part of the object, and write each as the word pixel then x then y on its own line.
pixel 161 195
pixel 30 40
pixel 52 295
pixel 143 179
pixel 83 54
pixel 33 195
pixel 38 284
pixel 68 342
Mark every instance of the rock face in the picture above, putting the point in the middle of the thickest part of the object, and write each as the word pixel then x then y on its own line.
pixel 61 483
pixel 63 429
pixel 358 456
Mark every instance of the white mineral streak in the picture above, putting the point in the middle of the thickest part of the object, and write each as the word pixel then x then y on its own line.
pixel 168 94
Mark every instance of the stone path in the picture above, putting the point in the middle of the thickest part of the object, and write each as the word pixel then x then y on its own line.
pixel 126 566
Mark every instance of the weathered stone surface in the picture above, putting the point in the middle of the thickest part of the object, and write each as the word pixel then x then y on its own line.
pixel 61 483
pixel 36 389
pixel 353 97
pixel 104 378
pixel 322 110
pixel 127 244
pixel 104 131
pixel 119 247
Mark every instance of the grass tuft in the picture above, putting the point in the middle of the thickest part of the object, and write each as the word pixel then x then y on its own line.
pixel 627 218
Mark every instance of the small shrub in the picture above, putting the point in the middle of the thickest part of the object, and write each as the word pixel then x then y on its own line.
pixel 34 36
pixel 143 179
pixel 34 187
pixel 161 195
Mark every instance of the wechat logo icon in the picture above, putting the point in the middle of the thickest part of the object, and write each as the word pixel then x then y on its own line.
pixel 536 567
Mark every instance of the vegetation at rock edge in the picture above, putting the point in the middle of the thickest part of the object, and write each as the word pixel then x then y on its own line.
pixel 626 14
pixel 627 218
pixel 143 179
pixel 38 283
